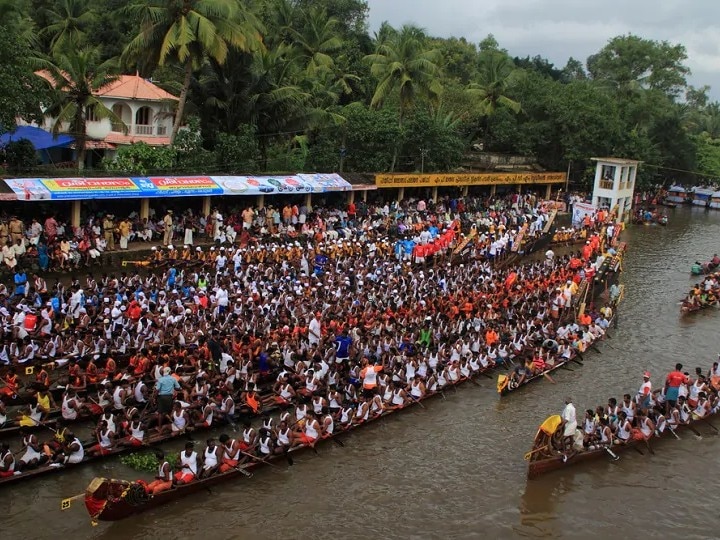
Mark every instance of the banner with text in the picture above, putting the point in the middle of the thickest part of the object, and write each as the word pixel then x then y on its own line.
pixel 467 179
pixel 36 189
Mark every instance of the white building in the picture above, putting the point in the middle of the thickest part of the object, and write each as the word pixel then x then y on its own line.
pixel 146 111
pixel 615 185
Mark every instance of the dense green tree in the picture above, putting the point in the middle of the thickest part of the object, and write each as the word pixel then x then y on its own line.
pixel 189 32
pixel 629 63
pixel 142 159
pixel 21 92
pixel 404 63
pixel 68 22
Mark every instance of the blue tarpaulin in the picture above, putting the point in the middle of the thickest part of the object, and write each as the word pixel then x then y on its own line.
pixel 40 139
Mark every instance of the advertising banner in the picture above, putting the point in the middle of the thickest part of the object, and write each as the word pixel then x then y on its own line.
pixel 35 189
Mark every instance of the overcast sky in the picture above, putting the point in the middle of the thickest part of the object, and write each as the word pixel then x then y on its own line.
pixel 558 29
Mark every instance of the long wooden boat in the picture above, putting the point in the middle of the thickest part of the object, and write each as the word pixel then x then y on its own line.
pixel 114 500
pixel 546 455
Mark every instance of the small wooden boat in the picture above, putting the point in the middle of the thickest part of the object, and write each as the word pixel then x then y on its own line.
pixel 547 456
pixel 114 500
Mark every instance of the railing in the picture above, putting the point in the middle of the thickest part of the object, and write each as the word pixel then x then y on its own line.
pixel 606 184
pixel 140 129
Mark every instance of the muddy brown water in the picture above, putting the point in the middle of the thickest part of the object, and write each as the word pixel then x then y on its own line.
pixel 455 469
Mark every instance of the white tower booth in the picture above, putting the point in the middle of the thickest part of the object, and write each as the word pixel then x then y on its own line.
pixel 615 185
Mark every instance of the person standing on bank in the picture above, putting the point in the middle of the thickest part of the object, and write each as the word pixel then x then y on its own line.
pixel 168 223
pixel 109 232
pixel 164 388
pixel 124 228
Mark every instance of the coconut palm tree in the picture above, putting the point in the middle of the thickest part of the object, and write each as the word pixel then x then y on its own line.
pixel 403 62
pixel 317 40
pixel 189 32
pixel 495 74
pixel 68 20
pixel 74 76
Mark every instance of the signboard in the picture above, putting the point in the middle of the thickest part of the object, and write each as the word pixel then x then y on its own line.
pixel 579 211
pixel 467 179
pixel 35 189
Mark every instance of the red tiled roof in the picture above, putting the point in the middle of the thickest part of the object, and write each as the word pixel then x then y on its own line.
pixel 126 86
pixel 119 138
pixel 134 87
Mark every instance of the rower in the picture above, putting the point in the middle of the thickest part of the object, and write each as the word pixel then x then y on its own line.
pixel 702 409
pixel 33 456
pixel 70 406
pixel 188 463
pixel 647 427
pixel 206 414
pixel 178 420
pixel 628 407
pixel 249 437
pixel 7 461
pixel 137 431
pixel 230 453
pixel 284 436
pixel 265 446
pixel 624 427
pixel 164 478
pixel 106 440
pixel 211 458
pixel 73 451
pixel 311 432
pixel 327 424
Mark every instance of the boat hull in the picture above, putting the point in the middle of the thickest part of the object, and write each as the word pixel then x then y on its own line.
pixel 546 465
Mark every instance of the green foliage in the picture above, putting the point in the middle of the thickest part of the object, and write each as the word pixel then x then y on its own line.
pixel 140 159
pixel 237 153
pixel 21 92
pixel 188 148
pixel 146 461
pixel 708 156
pixel 19 155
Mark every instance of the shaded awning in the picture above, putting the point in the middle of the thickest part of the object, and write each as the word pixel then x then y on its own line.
pixel 40 139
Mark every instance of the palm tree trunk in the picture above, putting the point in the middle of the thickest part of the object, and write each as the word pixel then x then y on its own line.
pixel 181 104
pixel 82 151
pixel 397 144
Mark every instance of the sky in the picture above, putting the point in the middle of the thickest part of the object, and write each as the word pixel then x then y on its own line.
pixel 558 29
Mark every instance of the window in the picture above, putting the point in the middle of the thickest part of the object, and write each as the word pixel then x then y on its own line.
pixel 143 116
pixel 90 114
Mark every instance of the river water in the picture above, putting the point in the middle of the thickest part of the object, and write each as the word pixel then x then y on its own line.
pixel 455 469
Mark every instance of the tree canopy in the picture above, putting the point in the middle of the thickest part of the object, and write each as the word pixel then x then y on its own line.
pixel 268 84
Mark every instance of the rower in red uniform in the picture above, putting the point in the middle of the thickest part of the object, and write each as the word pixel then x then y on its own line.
pixel 11 384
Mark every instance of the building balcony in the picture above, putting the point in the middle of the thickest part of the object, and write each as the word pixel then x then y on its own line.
pixel 141 129
pixel 606 184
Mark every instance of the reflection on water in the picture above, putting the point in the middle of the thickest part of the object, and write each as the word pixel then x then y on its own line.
pixel 455 469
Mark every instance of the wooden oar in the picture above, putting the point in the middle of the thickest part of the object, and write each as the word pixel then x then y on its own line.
pixel 573 359
pixel 256 458
pixel 612 454
pixel 417 401
pixel 66 503
pixel 695 431
pixel 638 450
pixel 564 366
pixel 709 424
pixel 548 377
pixel 647 443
